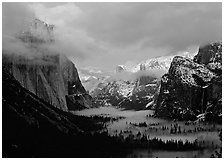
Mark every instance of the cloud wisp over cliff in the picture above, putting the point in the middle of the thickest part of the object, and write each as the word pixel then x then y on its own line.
pixel 106 34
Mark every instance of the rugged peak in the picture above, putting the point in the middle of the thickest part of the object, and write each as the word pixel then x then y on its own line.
pixel 209 53
pixel 120 68
pixel 211 56
pixel 38 31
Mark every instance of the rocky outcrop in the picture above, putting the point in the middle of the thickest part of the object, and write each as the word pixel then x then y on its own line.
pixel 191 87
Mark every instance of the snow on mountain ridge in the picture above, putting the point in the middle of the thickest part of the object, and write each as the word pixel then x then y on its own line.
pixel 127 86
pixel 125 89
pixel 162 62
pixel 92 76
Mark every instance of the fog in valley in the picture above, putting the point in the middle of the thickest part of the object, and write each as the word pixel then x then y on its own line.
pixel 112 80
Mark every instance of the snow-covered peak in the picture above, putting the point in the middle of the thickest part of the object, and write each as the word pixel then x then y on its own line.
pixel 162 62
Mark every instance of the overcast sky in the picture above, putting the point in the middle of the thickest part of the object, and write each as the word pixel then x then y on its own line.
pixel 107 34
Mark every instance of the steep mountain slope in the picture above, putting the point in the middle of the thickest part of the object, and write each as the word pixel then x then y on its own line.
pixel 45 72
pixel 33 128
pixel 29 122
pixel 76 94
pixel 191 88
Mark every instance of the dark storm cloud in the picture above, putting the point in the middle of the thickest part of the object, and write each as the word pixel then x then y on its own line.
pixel 107 34
pixel 14 17
pixel 17 18
pixel 173 25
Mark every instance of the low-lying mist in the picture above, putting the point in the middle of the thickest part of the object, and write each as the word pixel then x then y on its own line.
pixel 130 76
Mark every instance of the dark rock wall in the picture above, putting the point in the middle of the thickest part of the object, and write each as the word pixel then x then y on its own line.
pixel 191 86
pixel 50 77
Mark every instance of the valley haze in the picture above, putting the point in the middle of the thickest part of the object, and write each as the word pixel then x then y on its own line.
pixel 112 80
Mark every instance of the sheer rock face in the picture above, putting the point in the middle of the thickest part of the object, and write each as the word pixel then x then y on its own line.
pixel 76 95
pixel 50 77
pixel 191 87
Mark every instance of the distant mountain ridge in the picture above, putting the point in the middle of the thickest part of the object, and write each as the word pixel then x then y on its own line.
pixel 133 88
pixel 161 62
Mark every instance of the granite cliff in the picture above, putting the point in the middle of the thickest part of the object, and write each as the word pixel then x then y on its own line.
pixel 43 71
pixel 193 87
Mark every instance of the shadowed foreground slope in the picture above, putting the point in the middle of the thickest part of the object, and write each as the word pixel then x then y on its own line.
pixel 34 128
